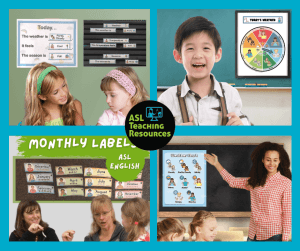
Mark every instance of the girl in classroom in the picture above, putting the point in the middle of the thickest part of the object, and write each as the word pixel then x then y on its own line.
pixel 123 90
pixel 29 225
pixel 269 183
pixel 203 226
pixel 135 218
pixel 48 100
pixel 170 229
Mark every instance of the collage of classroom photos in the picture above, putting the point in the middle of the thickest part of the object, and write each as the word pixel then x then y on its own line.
pixel 214 67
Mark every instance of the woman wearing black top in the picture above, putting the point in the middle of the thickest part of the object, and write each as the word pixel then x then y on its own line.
pixel 29 224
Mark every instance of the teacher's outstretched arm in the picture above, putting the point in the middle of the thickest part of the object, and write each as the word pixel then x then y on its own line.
pixel 232 181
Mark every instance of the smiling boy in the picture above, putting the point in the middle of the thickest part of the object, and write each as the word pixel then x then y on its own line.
pixel 198 48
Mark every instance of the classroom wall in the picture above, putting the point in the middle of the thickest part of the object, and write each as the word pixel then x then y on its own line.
pixel 225 223
pixel 84 82
pixel 266 107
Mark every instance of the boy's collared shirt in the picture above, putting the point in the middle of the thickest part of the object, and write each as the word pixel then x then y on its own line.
pixel 206 110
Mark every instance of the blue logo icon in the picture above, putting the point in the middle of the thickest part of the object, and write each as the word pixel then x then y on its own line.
pixel 154 113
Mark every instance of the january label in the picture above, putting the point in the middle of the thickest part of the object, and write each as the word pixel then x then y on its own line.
pixel 128 194
pixel 39 177
pixel 74 191
pixel 129 185
pixel 94 182
pixel 93 192
pixel 34 189
pixel 94 171
pixel 65 170
pixel 69 181
pixel 37 167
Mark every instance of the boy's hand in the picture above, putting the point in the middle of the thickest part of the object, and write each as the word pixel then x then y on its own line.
pixel 234 119
pixel 211 159
pixel 190 121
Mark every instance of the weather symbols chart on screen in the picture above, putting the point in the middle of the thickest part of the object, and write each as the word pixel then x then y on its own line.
pixel 262 49
pixel 184 178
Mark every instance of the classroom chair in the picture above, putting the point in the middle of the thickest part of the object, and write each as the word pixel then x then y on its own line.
pixel 229 236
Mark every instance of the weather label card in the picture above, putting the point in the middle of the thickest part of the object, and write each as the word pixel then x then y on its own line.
pixel 45 40
pixel 184 178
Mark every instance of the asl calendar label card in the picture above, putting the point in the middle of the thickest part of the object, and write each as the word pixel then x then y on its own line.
pixel 69 181
pixel 102 30
pixel 129 185
pixel 35 189
pixel 129 30
pixel 94 192
pixel 72 191
pixel 129 45
pixel 39 177
pixel 37 167
pixel 102 45
pixel 47 40
pixel 102 61
pixel 116 25
pixel 128 194
pixel 131 61
pixel 66 170
pixel 115 40
pixel 115 55
pixel 95 171
pixel 103 182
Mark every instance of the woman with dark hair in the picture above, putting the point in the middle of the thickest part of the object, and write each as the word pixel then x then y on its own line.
pixel 105 227
pixel 270 191
pixel 29 224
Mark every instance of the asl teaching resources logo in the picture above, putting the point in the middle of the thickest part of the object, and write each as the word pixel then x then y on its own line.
pixel 150 125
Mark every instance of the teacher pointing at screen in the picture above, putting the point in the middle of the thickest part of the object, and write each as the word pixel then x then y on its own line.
pixel 270 191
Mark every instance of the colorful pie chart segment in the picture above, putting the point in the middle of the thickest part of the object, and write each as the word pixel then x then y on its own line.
pixel 262 49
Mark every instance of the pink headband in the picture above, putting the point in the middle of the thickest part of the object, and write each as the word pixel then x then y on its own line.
pixel 123 80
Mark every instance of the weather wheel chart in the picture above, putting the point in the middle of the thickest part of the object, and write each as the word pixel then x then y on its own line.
pixel 262 49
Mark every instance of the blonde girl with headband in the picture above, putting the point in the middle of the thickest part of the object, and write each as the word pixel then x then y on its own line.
pixel 123 90
pixel 204 226
pixel 48 100
pixel 135 218
pixel 170 229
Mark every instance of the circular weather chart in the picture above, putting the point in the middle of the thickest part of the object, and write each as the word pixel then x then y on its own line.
pixel 262 49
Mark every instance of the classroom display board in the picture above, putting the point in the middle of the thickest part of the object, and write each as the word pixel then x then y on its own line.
pixel 75 180
pixel 184 178
pixel 215 195
pixel 262 44
pixel 114 43
pixel 46 40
